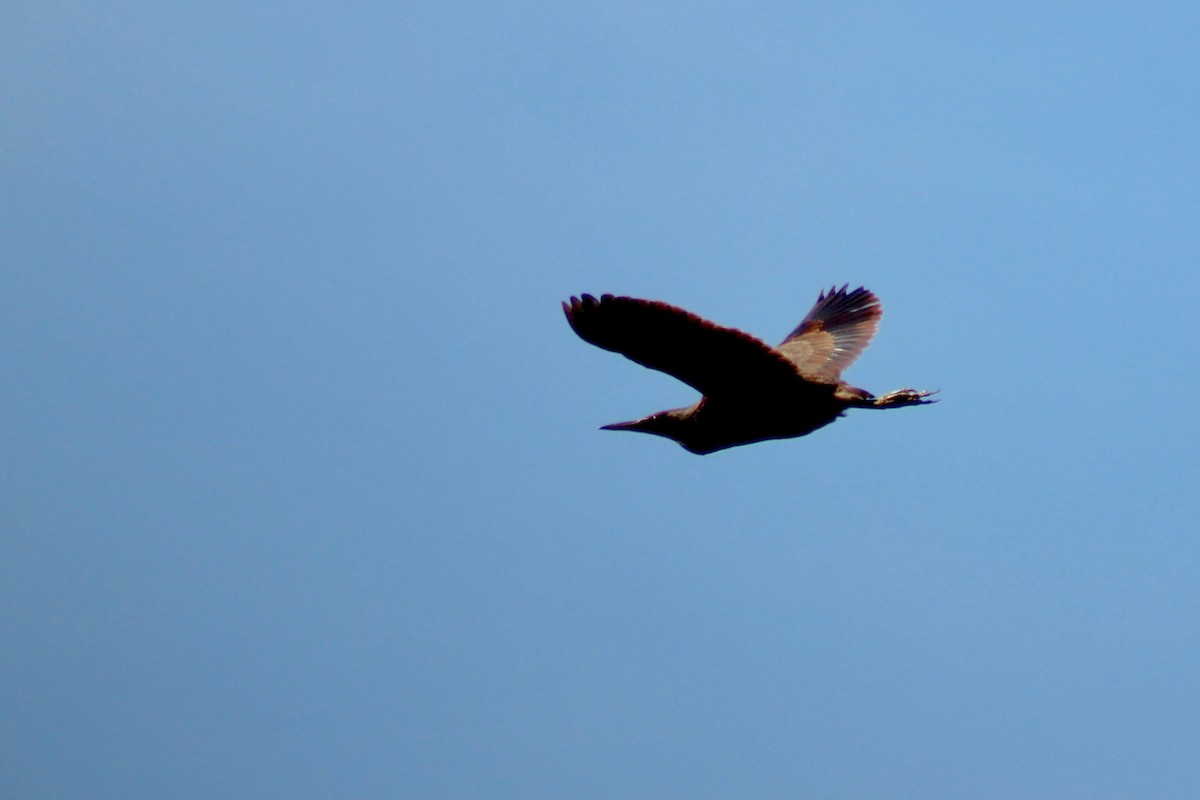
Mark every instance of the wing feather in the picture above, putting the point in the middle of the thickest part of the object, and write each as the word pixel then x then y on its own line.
pixel 834 333
pixel 714 359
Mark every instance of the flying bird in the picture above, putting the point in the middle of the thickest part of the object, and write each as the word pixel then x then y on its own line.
pixel 751 391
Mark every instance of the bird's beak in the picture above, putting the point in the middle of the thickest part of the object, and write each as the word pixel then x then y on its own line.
pixel 632 425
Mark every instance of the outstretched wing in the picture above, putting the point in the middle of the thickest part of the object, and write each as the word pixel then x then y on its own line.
pixel 716 360
pixel 835 332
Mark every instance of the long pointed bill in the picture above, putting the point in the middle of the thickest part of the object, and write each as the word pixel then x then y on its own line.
pixel 632 425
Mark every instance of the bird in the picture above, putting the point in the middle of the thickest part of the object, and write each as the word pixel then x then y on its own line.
pixel 751 392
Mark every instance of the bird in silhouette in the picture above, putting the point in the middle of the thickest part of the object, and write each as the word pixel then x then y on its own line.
pixel 751 391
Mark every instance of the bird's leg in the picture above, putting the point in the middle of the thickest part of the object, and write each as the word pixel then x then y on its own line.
pixel 904 397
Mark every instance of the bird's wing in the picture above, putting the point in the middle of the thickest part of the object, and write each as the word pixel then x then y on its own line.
pixel 716 360
pixel 835 332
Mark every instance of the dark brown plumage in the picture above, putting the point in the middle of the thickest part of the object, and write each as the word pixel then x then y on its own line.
pixel 751 391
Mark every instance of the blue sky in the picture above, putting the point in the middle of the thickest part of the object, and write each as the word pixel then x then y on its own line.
pixel 302 493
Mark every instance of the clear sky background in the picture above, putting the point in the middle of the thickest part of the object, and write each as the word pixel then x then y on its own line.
pixel 302 493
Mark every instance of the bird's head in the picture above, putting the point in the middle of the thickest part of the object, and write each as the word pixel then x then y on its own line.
pixel 672 424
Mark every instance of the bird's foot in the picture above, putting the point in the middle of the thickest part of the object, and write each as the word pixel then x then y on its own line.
pixel 904 397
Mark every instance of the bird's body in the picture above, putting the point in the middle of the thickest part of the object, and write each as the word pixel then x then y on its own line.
pixel 751 391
